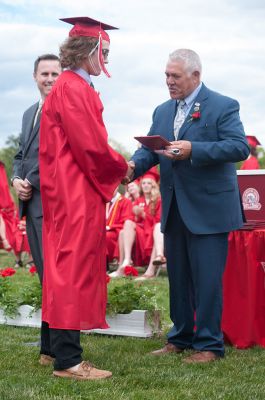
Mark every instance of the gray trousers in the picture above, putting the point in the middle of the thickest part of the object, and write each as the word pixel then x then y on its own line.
pixel 34 232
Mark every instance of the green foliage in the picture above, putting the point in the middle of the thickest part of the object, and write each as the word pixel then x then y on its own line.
pixel 123 297
pixel 31 294
pixel 120 149
pixel 13 296
pixel 8 152
pixel 8 301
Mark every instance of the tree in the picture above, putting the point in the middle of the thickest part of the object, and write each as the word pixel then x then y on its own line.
pixel 8 152
pixel 120 148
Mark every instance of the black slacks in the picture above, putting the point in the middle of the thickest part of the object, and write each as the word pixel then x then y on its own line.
pixel 62 344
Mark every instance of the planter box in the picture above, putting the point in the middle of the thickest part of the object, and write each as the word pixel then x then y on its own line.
pixel 134 324
pixel 25 318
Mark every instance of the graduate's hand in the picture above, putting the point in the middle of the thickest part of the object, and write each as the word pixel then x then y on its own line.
pixel 129 175
pixel 23 189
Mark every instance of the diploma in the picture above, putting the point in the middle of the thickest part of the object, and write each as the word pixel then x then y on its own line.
pixel 154 142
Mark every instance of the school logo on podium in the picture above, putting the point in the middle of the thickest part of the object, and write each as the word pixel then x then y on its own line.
pixel 250 199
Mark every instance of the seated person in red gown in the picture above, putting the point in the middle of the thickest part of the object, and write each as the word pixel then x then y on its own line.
pixel 133 190
pixel 11 237
pixel 140 239
pixel 117 212
pixel 252 161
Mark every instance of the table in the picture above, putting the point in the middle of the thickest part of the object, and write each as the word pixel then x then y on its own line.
pixel 243 320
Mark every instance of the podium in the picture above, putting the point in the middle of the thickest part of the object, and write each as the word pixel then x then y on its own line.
pixel 252 189
pixel 243 321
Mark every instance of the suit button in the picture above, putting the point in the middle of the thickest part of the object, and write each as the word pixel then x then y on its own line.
pixel 170 187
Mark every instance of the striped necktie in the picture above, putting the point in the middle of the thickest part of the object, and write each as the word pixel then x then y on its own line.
pixel 180 118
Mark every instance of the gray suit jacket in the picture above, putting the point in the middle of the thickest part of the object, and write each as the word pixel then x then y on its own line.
pixel 26 162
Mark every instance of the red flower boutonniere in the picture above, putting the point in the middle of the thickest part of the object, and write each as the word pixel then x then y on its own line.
pixel 196 112
pixel 128 270
pixel 196 115
pixel 108 278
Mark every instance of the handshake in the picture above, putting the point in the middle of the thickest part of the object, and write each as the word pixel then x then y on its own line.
pixel 129 174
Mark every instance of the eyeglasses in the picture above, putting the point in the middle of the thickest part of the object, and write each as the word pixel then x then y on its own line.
pixel 105 53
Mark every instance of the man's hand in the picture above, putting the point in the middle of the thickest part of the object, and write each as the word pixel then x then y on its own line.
pixel 129 174
pixel 183 146
pixel 23 189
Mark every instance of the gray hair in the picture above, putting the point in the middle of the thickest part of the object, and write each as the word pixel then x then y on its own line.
pixel 189 58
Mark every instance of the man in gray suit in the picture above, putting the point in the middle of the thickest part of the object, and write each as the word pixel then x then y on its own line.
pixel 26 179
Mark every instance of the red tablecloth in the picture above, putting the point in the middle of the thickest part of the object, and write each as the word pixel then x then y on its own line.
pixel 244 289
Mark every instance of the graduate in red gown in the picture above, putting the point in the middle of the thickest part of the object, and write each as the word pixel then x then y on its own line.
pixel 117 212
pixel 252 161
pixel 79 172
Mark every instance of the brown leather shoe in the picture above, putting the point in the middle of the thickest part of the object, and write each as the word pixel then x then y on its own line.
pixel 201 357
pixel 85 371
pixel 168 348
pixel 46 360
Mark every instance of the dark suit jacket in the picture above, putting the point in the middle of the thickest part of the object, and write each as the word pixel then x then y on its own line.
pixel 26 162
pixel 205 186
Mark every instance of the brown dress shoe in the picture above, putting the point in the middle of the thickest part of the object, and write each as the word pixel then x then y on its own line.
pixel 168 348
pixel 201 357
pixel 46 360
pixel 85 371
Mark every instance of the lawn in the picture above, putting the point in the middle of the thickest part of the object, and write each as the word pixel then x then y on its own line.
pixel 136 373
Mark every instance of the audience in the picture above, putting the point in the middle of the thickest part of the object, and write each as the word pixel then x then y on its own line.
pixel 140 240
pixel 12 234
pixel 118 210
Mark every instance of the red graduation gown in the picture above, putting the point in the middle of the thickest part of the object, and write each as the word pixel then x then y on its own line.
pixel 117 215
pixel 79 172
pixel 16 238
pixel 250 163
pixel 144 230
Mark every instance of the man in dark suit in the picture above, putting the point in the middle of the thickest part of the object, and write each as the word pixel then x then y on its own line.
pixel 26 162
pixel 200 201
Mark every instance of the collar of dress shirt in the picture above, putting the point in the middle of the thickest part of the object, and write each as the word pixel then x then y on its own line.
pixel 85 75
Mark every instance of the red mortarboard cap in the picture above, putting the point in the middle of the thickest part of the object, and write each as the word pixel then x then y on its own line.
pixel 85 26
pixel 252 141
pixel 152 173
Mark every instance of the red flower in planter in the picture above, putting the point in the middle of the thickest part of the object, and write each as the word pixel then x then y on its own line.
pixel 130 271
pixel 108 279
pixel 7 272
pixel 33 269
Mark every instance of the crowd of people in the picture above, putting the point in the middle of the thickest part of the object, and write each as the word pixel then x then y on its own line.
pixel 66 177
pixel 133 227
pixel 13 237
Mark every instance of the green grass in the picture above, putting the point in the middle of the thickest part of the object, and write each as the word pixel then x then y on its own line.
pixel 137 375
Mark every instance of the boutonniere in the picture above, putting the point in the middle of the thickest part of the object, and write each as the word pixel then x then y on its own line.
pixel 196 114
